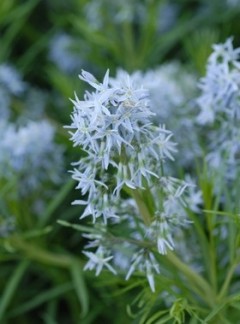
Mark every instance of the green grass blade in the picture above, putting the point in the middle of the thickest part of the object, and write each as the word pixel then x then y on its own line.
pixel 56 202
pixel 80 287
pixel 153 319
pixel 11 287
pixel 216 310
pixel 15 21
pixel 42 298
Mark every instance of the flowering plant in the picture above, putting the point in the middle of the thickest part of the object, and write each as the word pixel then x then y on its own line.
pixel 125 153
pixel 146 223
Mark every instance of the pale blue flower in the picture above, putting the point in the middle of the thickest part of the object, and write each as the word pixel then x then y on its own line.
pixel 98 260
pixel 62 54
pixel 7 226
pixel 31 102
pixel 119 12
pixel 171 92
pixel 170 213
pixel 167 15
pixel 11 80
pixel 233 3
pixel 145 262
pixel 11 85
pixel 160 231
pixel 4 104
pixel 194 198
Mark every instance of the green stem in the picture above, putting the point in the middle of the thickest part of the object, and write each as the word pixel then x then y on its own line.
pixel 33 252
pixel 136 195
pixel 212 256
pixel 207 191
pixel 199 283
pixel 227 281
pixel 129 46
pixel 146 216
pixel 55 203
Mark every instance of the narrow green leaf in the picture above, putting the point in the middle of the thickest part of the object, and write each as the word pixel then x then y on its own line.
pixel 16 19
pixel 41 298
pixel 37 232
pixel 27 58
pixel 11 287
pixel 56 202
pixel 79 286
pixel 153 319
pixel 236 305
pixel 215 311
pixel 77 227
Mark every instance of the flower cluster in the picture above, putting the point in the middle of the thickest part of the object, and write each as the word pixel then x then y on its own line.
pixel 124 156
pixel 96 12
pixel 30 160
pixel 11 85
pixel 61 53
pixel 11 80
pixel 220 86
pixel 135 11
pixel 219 105
pixel 113 126
pixel 7 225
pixel 171 92
pixel 27 153
pixel 18 97
pixel 170 88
